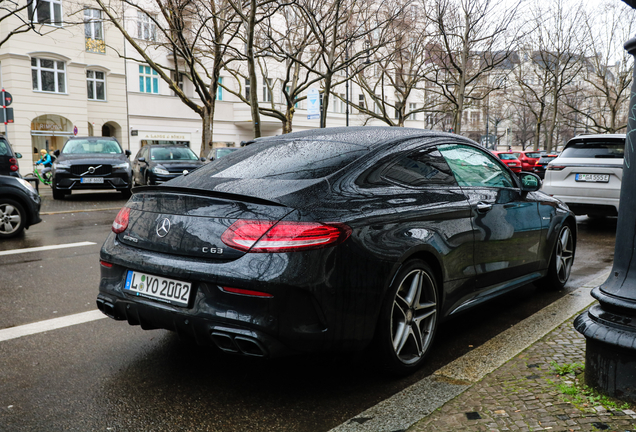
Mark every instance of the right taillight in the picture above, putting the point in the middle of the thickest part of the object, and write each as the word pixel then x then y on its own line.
pixel 272 236
pixel 555 167
pixel 121 220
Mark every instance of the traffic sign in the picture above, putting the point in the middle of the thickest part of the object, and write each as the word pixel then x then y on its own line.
pixel 7 98
pixel 313 104
pixel 7 114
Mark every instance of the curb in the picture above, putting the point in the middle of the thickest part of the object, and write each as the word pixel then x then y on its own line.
pixel 412 404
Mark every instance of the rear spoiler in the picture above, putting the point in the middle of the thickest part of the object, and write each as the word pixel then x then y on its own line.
pixel 206 193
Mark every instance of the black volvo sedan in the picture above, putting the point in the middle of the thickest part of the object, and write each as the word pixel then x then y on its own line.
pixel 332 239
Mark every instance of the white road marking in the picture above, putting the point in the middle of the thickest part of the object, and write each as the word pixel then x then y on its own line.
pixel 51 324
pixel 44 248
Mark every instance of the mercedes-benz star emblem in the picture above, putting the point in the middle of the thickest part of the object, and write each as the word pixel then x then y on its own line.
pixel 163 227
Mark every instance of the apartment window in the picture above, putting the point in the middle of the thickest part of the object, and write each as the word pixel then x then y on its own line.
pixel 267 94
pixel 48 75
pixel 94 31
pixel 146 27
pixel 96 85
pixel 46 12
pixel 219 90
pixel 247 89
pixel 148 80
pixel 178 79
pixel 361 101
pixel 343 104
pixel 474 118
pixel 413 115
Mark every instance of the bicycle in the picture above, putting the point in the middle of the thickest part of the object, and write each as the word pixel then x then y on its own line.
pixel 43 178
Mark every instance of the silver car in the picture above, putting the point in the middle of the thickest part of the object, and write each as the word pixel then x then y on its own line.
pixel 587 174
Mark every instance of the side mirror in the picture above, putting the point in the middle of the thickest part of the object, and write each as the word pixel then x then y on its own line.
pixel 127 152
pixel 202 159
pixel 56 153
pixel 530 182
pixel 18 155
pixel 142 159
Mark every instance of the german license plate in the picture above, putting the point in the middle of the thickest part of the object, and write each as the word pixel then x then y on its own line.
pixel 92 180
pixel 158 288
pixel 595 178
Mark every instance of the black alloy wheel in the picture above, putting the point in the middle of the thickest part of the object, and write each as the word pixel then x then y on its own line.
pixel 562 259
pixel 408 319
pixel 12 218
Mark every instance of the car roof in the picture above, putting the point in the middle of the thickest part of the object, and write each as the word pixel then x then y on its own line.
pixel 596 137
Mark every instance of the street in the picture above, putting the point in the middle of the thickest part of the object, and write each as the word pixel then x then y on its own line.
pixel 104 375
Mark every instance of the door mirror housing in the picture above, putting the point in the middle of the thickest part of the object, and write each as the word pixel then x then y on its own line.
pixel 530 182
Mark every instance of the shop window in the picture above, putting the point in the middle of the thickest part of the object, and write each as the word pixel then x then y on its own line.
pixel 148 80
pixel 48 75
pixel 219 90
pixel 96 85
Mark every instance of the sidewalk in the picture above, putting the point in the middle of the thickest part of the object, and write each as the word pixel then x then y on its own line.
pixel 525 379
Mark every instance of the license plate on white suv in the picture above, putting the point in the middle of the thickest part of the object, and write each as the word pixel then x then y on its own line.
pixel 158 288
pixel 594 178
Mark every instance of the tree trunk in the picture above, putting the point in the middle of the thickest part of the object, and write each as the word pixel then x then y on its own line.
pixel 251 70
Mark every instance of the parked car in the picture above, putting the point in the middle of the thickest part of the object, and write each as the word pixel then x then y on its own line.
pixel 19 206
pixel 509 159
pixel 8 159
pixel 158 163
pixel 332 239
pixel 542 164
pixel 218 152
pixel 587 174
pixel 91 163
pixel 528 159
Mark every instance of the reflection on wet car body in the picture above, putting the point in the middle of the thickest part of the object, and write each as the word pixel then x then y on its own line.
pixel 332 239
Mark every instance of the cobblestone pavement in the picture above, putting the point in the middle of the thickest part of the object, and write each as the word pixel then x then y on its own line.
pixel 528 394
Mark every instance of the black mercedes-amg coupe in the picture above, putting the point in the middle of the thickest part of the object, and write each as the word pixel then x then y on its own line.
pixel 333 239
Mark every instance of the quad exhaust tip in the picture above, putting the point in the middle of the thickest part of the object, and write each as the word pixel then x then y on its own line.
pixel 238 344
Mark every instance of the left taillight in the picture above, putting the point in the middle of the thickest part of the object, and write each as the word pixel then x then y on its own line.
pixel 272 236
pixel 121 220
pixel 13 164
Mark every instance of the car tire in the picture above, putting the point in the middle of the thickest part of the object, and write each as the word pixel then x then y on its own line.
pixel 58 194
pixel 408 319
pixel 12 218
pixel 561 261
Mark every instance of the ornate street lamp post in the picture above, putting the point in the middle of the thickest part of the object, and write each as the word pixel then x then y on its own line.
pixel 610 326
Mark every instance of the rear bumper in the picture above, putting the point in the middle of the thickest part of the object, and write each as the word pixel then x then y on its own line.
pixel 591 205
pixel 309 311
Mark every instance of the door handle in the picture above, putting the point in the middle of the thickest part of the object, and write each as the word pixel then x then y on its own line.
pixel 483 207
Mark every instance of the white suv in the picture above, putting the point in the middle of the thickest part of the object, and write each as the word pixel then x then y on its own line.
pixel 587 174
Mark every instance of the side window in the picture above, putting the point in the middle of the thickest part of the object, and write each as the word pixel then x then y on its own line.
pixel 4 149
pixel 419 168
pixel 474 167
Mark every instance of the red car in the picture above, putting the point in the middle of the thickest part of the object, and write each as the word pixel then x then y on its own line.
pixel 510 159
pixel 528 159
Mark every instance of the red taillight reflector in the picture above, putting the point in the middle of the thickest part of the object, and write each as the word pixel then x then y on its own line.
pixel 105 264
pixel 272 236
pixel 14 167
pixel 555 167
pixel 13 161
pixel 247 292
pixel 121 220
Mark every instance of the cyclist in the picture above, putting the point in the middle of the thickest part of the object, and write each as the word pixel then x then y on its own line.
pixel 46 162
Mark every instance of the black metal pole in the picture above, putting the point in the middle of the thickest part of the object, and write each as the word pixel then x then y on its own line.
pixel 610 326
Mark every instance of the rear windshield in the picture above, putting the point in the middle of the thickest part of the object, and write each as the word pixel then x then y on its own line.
pixel 595 149
pixel 92 146
pixel 507 156
pixel 533 155
pixel 286 160
pixel 172 154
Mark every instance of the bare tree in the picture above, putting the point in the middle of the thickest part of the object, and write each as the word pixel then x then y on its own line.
pixel 560 53
pixel 601 105
pixel 19 16
pixel 473 37
pixel 197 35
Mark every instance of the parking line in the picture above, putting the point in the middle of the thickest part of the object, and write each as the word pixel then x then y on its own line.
pixel 44 248
pixel 51 324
